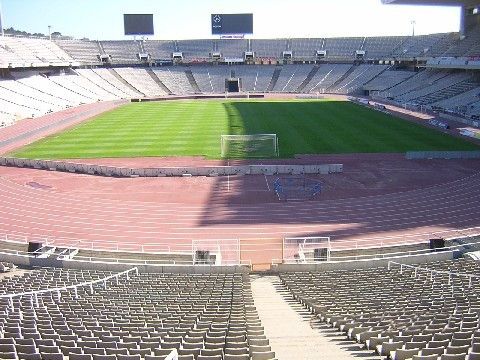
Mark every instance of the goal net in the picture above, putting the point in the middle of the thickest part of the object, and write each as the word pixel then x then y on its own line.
pixel 306 249
pixel 249 146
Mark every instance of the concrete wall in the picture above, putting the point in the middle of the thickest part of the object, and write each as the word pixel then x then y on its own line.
pixel 419 155
pixel 113 171
pixel 30 261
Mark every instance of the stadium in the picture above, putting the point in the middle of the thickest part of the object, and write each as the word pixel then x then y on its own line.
pixel 239 197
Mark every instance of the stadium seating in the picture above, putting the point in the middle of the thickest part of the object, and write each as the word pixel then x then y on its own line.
pixel 140 80
pixel 141 316
pixel 358 77
pixel 326 76
pixel 29 52
pixel 291 77
pixel 32 93
pixel 343 48
pixel 122 51
pixel 81 50
pixel 397 312
pixel 175 80
pixel 255 78
pixel 211 79
pixel 159 49
pixel 387 80
pixel 232 48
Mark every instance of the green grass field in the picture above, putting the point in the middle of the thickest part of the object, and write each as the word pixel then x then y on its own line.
pixel 185 128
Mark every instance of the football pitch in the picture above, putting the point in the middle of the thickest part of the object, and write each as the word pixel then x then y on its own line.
pixel 190 128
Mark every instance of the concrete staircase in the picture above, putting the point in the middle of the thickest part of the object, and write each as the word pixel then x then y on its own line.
pixel 340 80
pixel 192 81
pixel 158 81
pixel 273 81
pixel 125 82
pixel 294 333
pixel 309 77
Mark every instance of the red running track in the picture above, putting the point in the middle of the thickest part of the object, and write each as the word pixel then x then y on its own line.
pixel 401 217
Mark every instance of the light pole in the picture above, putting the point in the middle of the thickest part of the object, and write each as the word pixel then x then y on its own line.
pixel 50 32
pixel 1 21
pixel 413 22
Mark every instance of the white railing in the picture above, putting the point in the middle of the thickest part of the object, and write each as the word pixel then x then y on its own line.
pixel 34 294
pixel 432 272
pixel 387 255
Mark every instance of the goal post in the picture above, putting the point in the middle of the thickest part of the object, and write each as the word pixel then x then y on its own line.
pixel 249 146
pixel 306 249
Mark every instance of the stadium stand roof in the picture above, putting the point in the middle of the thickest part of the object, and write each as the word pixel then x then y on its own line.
pixel 466 3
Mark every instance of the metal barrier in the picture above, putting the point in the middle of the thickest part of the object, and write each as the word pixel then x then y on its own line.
pixel 34 294
pixel 417 269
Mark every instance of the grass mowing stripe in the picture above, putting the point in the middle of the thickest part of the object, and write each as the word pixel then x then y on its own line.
pixel 179 128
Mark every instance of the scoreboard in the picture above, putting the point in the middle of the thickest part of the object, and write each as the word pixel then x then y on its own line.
pixel 228 24
pixel 138 24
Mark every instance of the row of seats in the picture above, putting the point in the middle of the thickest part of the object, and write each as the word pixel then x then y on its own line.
pixel 407 314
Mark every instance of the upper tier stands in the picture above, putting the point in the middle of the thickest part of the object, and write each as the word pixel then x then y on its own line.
pixel 81 50
pixel 122 51
pixel 129 318
pixel 27 52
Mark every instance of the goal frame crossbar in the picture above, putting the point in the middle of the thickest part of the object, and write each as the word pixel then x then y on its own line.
pixel 250 137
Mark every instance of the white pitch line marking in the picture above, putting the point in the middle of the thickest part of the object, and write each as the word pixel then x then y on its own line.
pixel 268 186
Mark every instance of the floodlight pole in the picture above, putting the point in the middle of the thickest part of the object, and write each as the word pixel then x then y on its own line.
pixel 1 21
pixel 50 32
pixel 413 22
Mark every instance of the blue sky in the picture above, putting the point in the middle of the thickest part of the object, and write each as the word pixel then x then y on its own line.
pixel 190 19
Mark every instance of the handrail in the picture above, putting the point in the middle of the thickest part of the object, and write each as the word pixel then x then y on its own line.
pixel 388 255
pixel 35 293
pixel 432 272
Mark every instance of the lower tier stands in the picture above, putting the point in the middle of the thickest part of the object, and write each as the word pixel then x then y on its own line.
pixel 400 312
pixel 34 93
pixel 130 317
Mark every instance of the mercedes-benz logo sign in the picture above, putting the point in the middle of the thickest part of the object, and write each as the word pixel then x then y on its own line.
pixel 217 18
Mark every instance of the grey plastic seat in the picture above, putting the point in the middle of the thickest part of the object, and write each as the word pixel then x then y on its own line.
pixel 209 357
pixel 128 357
pixel 80 357
pixel 104 357
pixel 52 356
pixel 453 357
pixel 267 355
pixel 437 351
pixel 236 357
pixel 424 357
pixel 8 355
pixel 404 354
pixel 33 356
